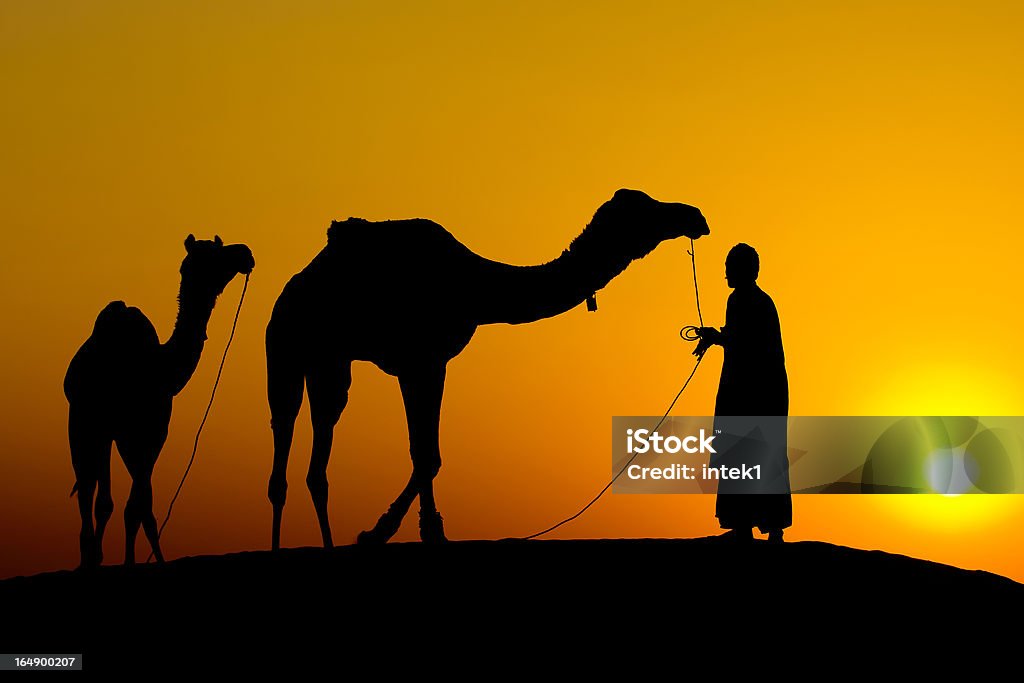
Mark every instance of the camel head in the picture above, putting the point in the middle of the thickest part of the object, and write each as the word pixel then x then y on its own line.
pixel 210 265
pixel 628 227
pixel 645 222
pixel 631 224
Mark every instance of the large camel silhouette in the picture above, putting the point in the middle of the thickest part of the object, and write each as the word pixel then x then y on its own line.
pixel 120 386
pixel 407 296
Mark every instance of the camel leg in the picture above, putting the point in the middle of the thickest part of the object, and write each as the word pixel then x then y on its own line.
pixel 90 457
pixel 149 525
pixel 284 391
pixel 389 523
pixel 104 502
pixel 328 393
pixel 138 511
pixel 422 392
pixel 132 522
pixel 87 536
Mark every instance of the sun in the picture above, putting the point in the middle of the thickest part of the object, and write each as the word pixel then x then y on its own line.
pixel 944 388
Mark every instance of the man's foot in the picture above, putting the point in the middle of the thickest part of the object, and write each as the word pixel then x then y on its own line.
pixel 738 536
pixel 775 537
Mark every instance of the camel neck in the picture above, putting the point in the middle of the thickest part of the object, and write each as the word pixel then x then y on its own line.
pixel 185 345
pixel 522 294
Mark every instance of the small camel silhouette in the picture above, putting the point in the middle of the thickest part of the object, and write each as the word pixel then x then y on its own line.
pixel 120 387
pixel 407 296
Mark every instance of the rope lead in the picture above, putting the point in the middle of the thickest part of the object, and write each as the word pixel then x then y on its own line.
pixel 195 445
pixel 689 333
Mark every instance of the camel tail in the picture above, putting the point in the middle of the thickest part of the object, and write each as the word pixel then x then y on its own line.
pixel 74 490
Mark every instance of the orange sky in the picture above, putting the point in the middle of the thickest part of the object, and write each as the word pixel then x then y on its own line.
pixel 871 154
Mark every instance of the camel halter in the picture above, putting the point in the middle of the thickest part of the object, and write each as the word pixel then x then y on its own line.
pixel 688 333
pixel 195 445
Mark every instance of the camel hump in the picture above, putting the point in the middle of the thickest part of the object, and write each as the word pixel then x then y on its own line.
pixel 109 318
pixel 414 234
pixel 124 326
pixel 121 346
pixel 338 228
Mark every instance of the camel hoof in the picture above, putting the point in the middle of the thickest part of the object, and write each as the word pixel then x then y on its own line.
pixel 91 559
pixel 371 537
pixel 378 535
pixel 386 527
pixel 432 528
pixel 89 563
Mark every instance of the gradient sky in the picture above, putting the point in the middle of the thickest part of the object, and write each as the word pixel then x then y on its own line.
pixel 871 153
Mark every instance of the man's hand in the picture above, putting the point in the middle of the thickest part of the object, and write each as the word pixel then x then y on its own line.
pixel 709 336
pixel 702 346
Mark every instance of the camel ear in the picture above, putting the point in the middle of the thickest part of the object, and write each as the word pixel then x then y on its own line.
pixel 218 241
pixel 190 242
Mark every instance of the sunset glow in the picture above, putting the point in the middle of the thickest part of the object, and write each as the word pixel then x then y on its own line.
pixel 870 152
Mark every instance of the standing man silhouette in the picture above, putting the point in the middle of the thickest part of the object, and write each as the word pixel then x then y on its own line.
pixel 754 386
